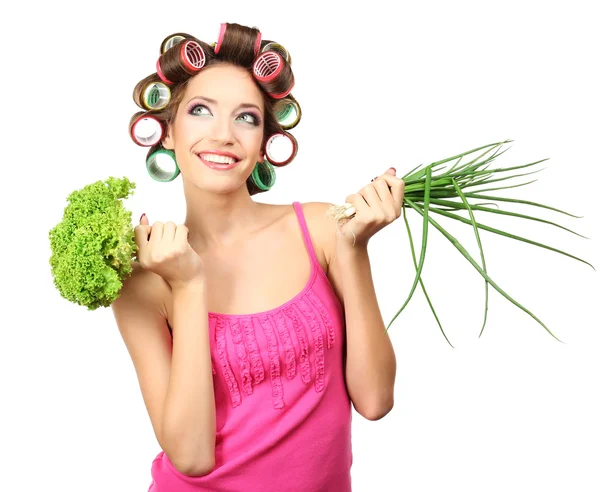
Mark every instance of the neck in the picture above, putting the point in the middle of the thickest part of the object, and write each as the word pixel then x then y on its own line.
pixel 219 220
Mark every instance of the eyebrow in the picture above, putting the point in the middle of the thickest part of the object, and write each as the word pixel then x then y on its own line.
pixel 212 101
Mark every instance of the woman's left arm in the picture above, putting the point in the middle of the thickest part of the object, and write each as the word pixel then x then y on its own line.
pixel 370 358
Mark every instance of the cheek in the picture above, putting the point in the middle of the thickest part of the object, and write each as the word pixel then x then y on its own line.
pixel 250 140
pixel 196 128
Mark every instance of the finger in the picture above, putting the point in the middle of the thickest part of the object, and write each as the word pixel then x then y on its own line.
pixel 398 192
pixel 144 219
pixel 141 235
pixel 169 231
pixel 373 200
pixel 357 203
pixel 387 199
pixel 396 186
pixel 391 171
pixel 156 234
pixel 181 234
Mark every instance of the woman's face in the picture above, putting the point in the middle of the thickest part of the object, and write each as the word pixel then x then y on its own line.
pixel 222 110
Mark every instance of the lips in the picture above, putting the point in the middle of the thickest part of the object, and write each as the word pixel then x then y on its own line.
pixel 219 152
pixel 217 165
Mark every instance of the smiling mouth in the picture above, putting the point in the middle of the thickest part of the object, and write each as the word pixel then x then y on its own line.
pixel 219 165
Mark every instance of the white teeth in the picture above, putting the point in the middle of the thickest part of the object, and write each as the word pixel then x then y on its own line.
pixel 220 159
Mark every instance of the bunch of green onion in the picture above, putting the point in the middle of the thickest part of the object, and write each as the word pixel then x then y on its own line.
pixel 423 189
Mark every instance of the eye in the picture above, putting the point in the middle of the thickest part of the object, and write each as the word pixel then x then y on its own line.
pixel 255 120
pixel 193 108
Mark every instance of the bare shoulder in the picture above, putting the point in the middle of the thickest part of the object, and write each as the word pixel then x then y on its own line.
pixel 324 232
pixel 322 227
pixel 144 286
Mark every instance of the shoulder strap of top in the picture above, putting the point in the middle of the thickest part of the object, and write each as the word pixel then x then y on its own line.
pixel 305 233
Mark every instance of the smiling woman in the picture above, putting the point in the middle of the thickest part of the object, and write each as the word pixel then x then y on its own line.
pixel 254 401
pixel 185 81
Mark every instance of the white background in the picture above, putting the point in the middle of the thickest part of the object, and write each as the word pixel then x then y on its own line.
pixel 513 410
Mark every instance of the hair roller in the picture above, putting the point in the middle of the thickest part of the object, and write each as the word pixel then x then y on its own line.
pixel 281 148
pixel 161 165
pixel 264 175
pixel 145 130
pixel 234 41
pixel 287 112
pixel 151 95
pixel 257 43
pixel 272 46
pixel 172 40
pixel 219 42
pixel 274 74
pixel 183 59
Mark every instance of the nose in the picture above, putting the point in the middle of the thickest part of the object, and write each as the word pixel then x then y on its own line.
pixel 221 131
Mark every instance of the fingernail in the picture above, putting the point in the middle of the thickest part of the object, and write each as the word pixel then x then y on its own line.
pixel 374 178
pixel 393 169
pixel 142 216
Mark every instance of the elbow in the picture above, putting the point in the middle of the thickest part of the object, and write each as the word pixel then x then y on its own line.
pixel 195 468
pixel 378 412
pixel 192 461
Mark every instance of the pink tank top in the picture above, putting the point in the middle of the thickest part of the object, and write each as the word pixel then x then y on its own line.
pixel 283 412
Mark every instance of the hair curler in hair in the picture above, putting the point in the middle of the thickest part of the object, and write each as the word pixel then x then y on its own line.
pixel 219 42
pixel 287 112
pixel 257 43
pixel 264 175
pixel 151 95
pixel 183 59
pixel 281 148
pixel 144 129
pixel 272 46
pixel 224 41
pixel 274 74
pixel 172 40
pixel 162 166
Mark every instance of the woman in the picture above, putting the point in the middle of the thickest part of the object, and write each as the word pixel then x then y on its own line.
pixel 246 368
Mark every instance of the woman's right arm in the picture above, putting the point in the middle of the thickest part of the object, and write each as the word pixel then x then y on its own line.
pixel 175 375
pixel 189 420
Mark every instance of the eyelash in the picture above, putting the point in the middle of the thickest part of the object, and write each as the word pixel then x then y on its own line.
pixel 257 119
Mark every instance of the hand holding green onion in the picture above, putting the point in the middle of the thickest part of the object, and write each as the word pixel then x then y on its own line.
pixel 422 188
pixel 374 207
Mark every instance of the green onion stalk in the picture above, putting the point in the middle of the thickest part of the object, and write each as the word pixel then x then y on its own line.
pixel 427 192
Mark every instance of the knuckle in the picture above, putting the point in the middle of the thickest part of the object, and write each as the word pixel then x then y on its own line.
pixel 156 257
pixel 175 251
pixel 169 254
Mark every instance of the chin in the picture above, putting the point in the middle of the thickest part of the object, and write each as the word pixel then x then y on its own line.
pixel 220 184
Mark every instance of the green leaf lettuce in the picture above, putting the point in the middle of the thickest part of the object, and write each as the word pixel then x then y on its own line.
pixel 94 244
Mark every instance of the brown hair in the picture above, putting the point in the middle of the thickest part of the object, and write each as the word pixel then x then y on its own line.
pixel 240 47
